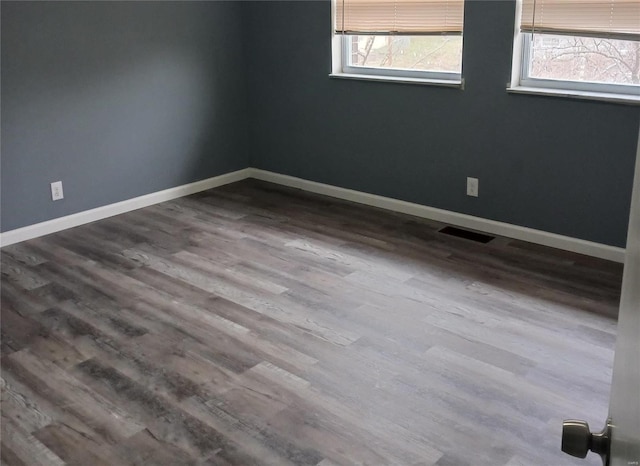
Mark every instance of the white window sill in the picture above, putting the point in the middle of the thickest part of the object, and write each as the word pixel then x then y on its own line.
pixel 395 79
pixel 584 95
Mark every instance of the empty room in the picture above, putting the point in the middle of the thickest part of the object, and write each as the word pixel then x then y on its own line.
pixel 338 232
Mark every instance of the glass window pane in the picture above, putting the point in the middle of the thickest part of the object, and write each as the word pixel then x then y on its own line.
pixel 420 53
pixel 588 59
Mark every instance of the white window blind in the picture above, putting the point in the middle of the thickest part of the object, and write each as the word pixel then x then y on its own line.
pixel 602 18
pixel 410 17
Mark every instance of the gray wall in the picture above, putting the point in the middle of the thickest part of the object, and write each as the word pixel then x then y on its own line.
pixel 116 99
pixel 119 99
pixel 558 165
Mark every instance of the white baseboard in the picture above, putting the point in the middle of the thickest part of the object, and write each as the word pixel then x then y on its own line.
pixel 544 238
pixel 99 213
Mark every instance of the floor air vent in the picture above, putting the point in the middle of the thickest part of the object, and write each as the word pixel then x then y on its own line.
pixel 472 235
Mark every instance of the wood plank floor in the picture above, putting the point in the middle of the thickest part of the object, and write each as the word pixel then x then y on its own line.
pixel 256 324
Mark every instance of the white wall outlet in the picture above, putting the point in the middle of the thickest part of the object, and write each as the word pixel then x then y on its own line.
pixel 56 191
pixel 472 187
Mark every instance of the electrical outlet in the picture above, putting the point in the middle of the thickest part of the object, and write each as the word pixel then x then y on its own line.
pixel 56 191
pixel 472 187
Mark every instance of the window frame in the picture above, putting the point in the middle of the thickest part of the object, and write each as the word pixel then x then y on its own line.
pixel 525 80
pixel 516 86
pixel 425 75
pixel 341 70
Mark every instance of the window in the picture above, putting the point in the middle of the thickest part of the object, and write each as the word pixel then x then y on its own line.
pixel 588 46
pixel 414 39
